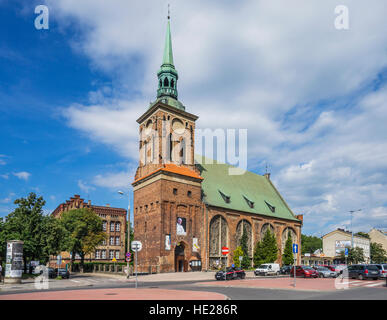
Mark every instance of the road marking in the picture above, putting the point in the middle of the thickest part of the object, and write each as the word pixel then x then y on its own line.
pixel 74 280
pixel 374 284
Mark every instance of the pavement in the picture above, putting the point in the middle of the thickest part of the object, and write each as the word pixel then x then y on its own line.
pixel 117 294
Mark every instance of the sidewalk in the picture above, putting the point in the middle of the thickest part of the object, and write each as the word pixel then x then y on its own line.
pixel 117 294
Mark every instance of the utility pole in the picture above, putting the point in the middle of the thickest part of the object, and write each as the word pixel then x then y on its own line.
pixel 351 212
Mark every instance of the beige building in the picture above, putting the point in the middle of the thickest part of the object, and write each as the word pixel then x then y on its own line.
pixel 378 236
pixel 336 241
pixel 114 224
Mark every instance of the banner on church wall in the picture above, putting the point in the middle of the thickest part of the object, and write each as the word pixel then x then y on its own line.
pixel 181 226
pixel 167 242
pixel 195 245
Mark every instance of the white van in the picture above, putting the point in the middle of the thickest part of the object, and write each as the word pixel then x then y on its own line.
pixel 268 269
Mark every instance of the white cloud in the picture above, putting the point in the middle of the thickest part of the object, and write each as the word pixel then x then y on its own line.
pixel 23 175
pixel 84 187
pixel 279 69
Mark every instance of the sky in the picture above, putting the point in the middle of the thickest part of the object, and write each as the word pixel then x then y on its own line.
pixel 312 97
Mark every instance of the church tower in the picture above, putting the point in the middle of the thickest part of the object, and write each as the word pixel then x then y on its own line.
pixel 167 186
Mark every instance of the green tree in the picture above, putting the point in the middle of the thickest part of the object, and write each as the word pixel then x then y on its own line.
pixel 378 254
pixel 238 252
pixel 363 234
pixel 310 244
pixel 26 223
pixel 355 255
pixel 54 238
pixel 266 251
pixel 287 257
pixel 83 232
pixel 244 246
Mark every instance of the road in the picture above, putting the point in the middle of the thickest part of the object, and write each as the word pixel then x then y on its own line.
pixel 202 285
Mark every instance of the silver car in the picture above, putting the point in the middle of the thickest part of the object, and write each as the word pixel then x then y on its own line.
pixel 325 272
pixel 382 269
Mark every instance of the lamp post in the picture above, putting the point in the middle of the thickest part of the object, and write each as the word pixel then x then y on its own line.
pixel 351 212
pixel 128 245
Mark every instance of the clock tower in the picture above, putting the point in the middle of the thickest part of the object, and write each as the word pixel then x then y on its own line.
pixel 167 186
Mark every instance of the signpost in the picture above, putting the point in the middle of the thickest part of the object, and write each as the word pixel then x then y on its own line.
pixel 295 251
pixel 346 251
pixel 225 252
pixel 136 246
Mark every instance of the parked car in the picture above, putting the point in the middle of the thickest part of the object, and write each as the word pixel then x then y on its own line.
pixel 228 274
pixel 382 269
pixel 63 273
pixel 285 269
pixel 304 271
pixel 339 268
pixel 51 273
pixel 325 272
pixel 363 271
pixel 330 267
pixel 241 274
pixel 267 269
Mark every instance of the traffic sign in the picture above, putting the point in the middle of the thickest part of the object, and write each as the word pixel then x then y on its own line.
pixel 127 259
pixel 240 258
pixel 59 260
pixel 128 254
pixel 346 252
pixel 136 245
pixel 295 248
pixel 114 260
pixel 225 250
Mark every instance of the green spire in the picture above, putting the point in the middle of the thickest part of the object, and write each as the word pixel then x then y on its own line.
pixel 167 75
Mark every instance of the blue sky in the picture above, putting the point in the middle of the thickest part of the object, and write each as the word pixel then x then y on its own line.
pixel 313 98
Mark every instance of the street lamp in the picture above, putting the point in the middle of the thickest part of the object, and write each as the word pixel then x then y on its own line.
pixel 351 212
pixel 127 264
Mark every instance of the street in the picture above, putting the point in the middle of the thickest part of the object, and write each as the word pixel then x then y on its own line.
pixel 196 286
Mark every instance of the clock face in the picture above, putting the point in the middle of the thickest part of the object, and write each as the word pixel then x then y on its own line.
pixel 178 126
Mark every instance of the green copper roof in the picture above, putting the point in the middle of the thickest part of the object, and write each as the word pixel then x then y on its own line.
pixel 248 192
pixel 167 75
pixel 168 54
pixel 169 101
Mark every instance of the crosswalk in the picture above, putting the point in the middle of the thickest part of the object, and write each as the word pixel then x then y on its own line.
pixel 362 283
pixel 94 281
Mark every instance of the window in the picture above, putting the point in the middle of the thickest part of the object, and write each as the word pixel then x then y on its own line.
pixel 111 226
pixel 98 254
pixel 111 241
pixel 104 242
pixel 103 254
pixel 249 202
pixel 118 226
pixel 117 254
pixel 104 226
pixel 166 82
pixel 272 209
pixel 111 254
pixel 225 197
pixel 174 191
pixel 189 194
pixel 117 241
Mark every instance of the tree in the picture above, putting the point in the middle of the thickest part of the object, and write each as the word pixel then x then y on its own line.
pixel 287 257
pixel 54 238
pixel 266 251
pixel 310 244
pixel 363 234
pixel 25 223
pixel 246 260
pixel 378 254
pixel 355 255
pixel 83 232
pixel 238 252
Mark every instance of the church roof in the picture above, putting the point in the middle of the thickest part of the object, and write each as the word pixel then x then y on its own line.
pixel 248 192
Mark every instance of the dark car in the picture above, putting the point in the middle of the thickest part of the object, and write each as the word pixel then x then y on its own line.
pixel 241 274
pixel 285 269
pixel 65 274
pixel 51 273
pixel 230 274
pixel 363 271
pixel 304 271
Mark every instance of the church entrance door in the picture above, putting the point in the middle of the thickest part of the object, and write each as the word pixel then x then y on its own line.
pixel 180 263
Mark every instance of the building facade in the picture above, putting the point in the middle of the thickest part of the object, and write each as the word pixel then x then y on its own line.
pixel 378 236
pixel 114 224
pixel 335 242
pixel 187 208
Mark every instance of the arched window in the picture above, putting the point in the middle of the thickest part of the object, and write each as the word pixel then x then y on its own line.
pixel 166 82
pixel 173 83
pixel 160 84
pixel 218 238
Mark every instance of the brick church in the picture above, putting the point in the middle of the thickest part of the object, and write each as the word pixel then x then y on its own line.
pixel 185 210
